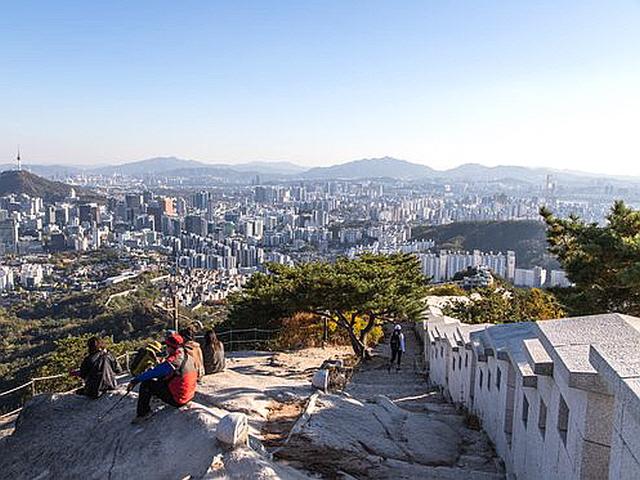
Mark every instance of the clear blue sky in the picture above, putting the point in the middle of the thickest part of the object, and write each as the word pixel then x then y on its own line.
pixel 539 83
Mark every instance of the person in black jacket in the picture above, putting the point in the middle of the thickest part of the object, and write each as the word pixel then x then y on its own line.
pixel 98 370
pixel 398 347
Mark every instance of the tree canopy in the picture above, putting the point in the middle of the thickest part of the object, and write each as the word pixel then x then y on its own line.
pixel 603 261
pixel 371 287
pixel 506 305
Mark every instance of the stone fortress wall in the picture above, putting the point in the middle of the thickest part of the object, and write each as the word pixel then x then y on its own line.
pixel 560 399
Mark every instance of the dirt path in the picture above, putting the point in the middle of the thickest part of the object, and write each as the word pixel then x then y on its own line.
pixel 391 425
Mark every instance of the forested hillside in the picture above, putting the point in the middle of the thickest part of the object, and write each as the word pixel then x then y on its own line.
pixel 526 238
pixel 29 330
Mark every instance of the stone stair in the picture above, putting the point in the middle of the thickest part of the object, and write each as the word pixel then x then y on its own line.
pixel 408 390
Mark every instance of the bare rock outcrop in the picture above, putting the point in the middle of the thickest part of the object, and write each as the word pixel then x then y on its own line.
pixel 390 425
pixel 65 437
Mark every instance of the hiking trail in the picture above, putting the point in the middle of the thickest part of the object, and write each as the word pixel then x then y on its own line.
pixel 384 426
pixel 391 425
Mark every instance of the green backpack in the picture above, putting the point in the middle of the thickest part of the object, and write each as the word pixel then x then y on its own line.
pixel 145 358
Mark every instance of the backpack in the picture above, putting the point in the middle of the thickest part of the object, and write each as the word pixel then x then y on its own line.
pixel 395 341
pixel 145 358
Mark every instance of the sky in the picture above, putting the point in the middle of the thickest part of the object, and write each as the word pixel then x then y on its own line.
pixel 532 83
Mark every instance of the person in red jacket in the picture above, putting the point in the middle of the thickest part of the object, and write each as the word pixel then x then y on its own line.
pixel 173 381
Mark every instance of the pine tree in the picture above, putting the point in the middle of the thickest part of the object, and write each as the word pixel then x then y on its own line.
pixel 603 261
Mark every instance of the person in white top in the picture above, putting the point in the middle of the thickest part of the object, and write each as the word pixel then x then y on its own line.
pixel 397 347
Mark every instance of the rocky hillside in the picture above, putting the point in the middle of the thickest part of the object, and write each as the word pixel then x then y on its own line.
pixel 67 436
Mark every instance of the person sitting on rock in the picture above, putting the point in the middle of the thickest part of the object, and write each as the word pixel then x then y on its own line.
pixel 213 353
pixel 193 349
pixel 173 381
pixel 397 346
pixel 98 370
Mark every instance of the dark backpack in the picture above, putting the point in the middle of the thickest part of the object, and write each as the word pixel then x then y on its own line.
pixel 395 341
pixel 100 371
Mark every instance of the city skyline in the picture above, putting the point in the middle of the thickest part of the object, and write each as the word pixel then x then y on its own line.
pixel 320 239
pixel 547 85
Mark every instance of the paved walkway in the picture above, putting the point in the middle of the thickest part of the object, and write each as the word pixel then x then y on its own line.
pixel 392 425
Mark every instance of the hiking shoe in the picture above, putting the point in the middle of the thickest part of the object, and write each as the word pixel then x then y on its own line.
pixel 141 419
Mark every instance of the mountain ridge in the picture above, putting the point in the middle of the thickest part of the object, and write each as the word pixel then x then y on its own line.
pixel 382 167
pixel 371 168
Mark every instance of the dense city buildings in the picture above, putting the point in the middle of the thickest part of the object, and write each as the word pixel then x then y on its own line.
pixel 444 265
pixel 219 232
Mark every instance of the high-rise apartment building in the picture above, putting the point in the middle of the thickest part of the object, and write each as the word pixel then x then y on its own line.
pixel 8 236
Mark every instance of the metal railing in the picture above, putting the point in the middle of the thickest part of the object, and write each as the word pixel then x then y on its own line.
pixel 30 388
pixel 253 337
pixel 246 337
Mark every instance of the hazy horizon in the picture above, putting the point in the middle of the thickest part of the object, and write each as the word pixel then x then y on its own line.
pixel 550 84
pixel 26 164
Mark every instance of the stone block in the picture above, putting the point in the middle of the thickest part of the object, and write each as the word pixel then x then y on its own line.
pixel 629 466
pixel 630 395
pixel 537 356
pixel 615 456
pixel 576 358
pixel 233 430
pixel 583 330
pixel 618 410
pixel 566 466
pixel 605 371
pixel 320 380
pixel 572 364
pixel 595 461
pixel 630 431
pixel 598 422
pixel 622 358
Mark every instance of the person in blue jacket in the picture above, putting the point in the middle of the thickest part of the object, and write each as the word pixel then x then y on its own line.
pixel 172 381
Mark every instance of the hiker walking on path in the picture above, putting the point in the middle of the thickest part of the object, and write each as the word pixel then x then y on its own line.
pixel 397 345
pixel 213 353
pixel 98 370
pixel 173 381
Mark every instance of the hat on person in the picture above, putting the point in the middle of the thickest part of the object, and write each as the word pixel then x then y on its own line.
pixel 397 327
pixel 155 346
pixel 174 340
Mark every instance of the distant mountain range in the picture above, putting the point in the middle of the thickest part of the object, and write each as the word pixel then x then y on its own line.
pixel 151 165
pixel 386 167
pixel 372 167
pixel 469 172
pixel 164 165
